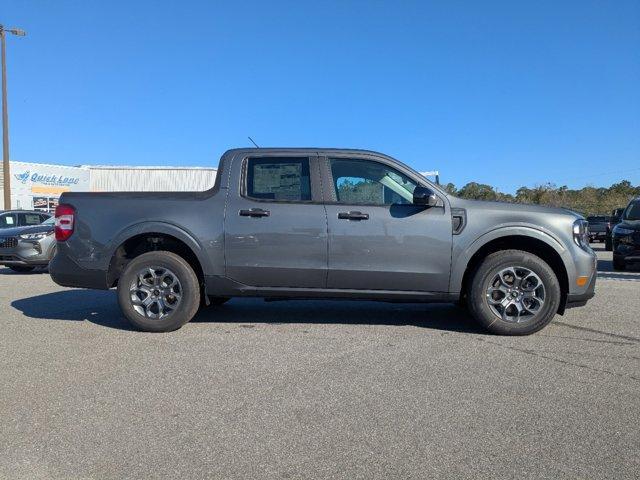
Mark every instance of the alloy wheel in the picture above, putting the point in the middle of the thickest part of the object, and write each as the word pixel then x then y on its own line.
pixel 516 294
pixel 155 292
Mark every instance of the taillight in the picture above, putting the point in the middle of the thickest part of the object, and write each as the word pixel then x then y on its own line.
pixel 65 220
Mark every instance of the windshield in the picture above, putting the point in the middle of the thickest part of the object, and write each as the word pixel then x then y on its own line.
pixel 633 211
pixel 49 221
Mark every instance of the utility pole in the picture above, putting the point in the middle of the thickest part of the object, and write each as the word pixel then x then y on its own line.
pixel 6 169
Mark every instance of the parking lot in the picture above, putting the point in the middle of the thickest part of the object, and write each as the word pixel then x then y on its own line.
pixel 316 389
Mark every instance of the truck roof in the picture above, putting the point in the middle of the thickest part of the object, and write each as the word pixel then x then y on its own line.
pixel 254 150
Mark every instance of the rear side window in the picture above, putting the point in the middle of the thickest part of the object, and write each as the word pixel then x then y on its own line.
pixel 32 219
pixel 278 179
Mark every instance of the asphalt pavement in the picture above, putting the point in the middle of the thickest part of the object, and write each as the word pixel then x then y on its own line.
pixel 316 389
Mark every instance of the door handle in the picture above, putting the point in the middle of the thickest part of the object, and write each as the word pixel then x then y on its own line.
pixel 353 216
pixel 255 212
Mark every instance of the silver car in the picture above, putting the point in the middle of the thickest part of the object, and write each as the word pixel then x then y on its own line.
pixel 22 249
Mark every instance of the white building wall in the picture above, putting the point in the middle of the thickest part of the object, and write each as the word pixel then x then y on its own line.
pixel 39 185
pixel 149 179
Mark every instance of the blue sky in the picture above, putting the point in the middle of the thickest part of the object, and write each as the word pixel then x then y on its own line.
pixel 500 92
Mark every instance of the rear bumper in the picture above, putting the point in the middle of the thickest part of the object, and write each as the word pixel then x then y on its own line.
pixel 67 273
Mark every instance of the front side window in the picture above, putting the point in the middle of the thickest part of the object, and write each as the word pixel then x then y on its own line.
pixel 633 211
pixel 7 221
pixel 370 183
pixel 278 179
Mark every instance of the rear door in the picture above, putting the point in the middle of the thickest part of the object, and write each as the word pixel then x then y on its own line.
pixel 379 240
pixel 275 223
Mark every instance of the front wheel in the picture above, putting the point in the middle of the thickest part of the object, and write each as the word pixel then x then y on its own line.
pixel 158 292
pixel 514 293
pixel 618 265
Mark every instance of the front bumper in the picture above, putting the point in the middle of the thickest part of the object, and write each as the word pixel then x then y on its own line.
pixel 581 299
pixel 26 252
pixel 585 264
pixel 626 248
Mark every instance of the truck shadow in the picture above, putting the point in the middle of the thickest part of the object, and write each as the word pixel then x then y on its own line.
pixel 37 271
pixel 349 312
pixel 101 308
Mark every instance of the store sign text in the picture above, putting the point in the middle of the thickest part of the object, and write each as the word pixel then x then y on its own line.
pixel 57 180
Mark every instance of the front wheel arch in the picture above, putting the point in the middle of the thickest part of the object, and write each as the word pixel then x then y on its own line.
pixel 527 244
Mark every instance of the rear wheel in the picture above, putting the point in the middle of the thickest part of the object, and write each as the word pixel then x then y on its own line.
pixel 514 293
pixel 158 292
pixel 21 268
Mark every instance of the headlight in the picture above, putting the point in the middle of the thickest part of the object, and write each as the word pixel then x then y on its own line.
pixel 581 233
pixel 34 236
pixel 619 230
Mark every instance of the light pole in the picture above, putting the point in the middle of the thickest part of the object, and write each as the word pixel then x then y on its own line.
pixel 6 170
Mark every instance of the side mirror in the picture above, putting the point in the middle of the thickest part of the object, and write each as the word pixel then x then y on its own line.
pixel 424 196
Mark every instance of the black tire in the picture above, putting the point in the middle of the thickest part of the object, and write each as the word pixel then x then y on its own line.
pixel 217 301
pixel 189 289
pixel 618 265
pixel 487 271
pixel 21 268
pixel 608 244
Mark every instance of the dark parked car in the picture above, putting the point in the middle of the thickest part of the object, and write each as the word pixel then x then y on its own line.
pixel 21 218
pixel 323 223
pixel 597 227
pixel 22 249
pixel 614 219
pixel 626 237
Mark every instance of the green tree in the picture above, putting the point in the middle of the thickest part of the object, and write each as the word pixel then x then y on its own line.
pixel 478 191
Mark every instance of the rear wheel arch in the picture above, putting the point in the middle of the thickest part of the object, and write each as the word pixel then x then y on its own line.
pixel 139 242
pixel 530 244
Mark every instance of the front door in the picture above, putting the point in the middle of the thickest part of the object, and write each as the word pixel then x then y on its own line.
pixel 276 225
pixel 379 240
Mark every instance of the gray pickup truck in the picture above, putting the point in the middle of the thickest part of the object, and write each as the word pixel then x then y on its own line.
pixel 323 223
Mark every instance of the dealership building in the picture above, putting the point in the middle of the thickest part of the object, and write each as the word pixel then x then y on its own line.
pixel 39 186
